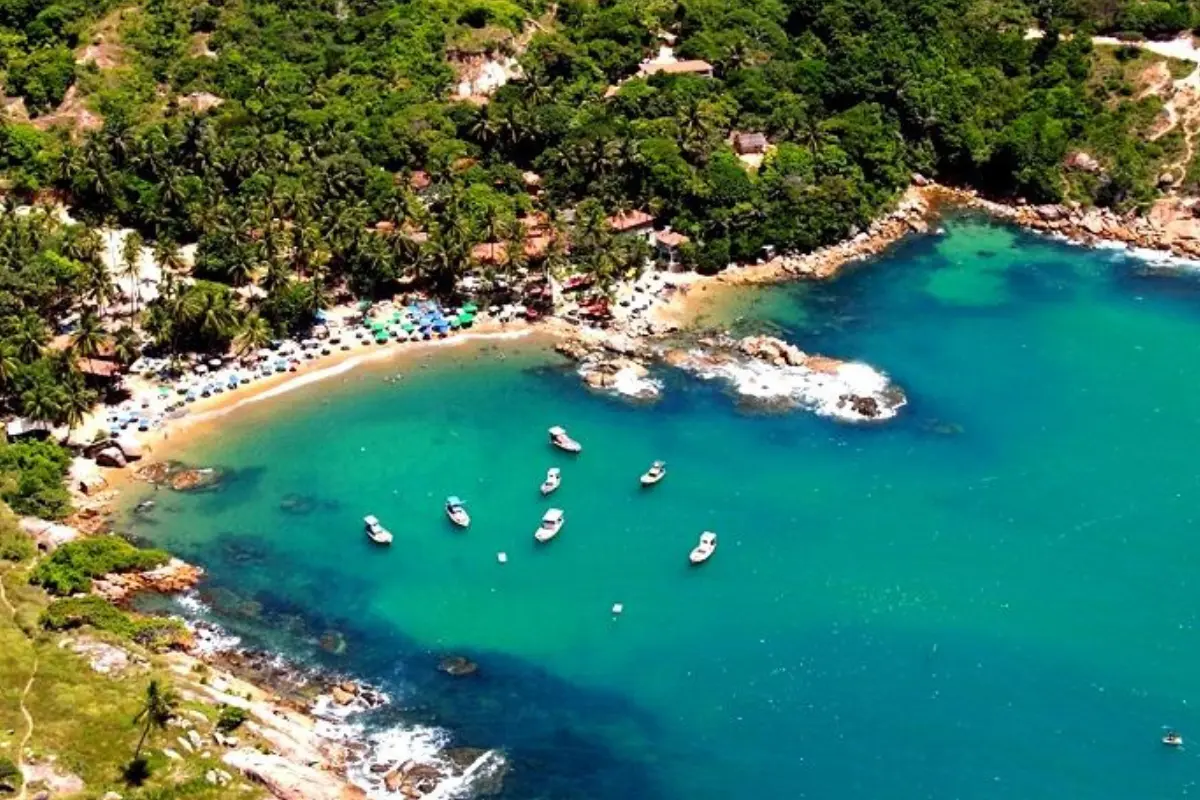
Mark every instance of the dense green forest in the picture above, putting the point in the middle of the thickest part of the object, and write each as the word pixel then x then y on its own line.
pixel 329 156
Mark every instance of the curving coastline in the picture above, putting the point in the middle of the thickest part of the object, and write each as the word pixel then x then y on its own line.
pixel 921 204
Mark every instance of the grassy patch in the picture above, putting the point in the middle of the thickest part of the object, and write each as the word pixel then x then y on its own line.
pixel 85 719
pixel 1121 73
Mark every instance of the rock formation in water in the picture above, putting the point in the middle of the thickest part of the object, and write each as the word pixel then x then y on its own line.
pixel 770 373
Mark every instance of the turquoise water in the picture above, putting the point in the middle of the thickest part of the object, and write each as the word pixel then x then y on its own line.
pixel 991 597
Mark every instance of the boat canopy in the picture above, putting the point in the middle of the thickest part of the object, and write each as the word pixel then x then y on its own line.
pixel 558 431
pixel 553 515
pixel 370 520
pixel 453 500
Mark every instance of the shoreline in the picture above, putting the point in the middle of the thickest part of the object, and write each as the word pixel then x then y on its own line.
pixel 678 302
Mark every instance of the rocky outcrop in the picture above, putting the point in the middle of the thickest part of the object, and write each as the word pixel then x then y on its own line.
pixel 174 576
pixel 86 477
pixel 610 362
pixel 48 535
pixel 770 373
pixel 1172 225
pixel 111 457
pixel 178 477
pixel 287 780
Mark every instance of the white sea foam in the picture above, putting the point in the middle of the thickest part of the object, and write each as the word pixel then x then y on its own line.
pixel 820 391
pixel 422 745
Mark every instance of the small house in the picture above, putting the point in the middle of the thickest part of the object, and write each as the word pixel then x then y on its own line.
pixel 637 223
pixel 667 243
pixel 696 67
pixel 749 144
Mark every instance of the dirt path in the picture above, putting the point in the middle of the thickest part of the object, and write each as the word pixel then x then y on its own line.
pixel 20 754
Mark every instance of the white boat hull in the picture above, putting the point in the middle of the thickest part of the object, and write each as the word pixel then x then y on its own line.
pixel 380 538
pixel 569 447
pixel 699 556
pixel 548 487
pixel 650 480
pixel 546 534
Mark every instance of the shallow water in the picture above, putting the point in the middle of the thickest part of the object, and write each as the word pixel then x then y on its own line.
pixel 990 597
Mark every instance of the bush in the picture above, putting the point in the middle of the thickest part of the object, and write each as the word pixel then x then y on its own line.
pixel 71 568
pixel 15 544
pixel 42 77
pixel 31 478
pixel 75 612
pixel 230 719
pixel 155 633
pixel 10 777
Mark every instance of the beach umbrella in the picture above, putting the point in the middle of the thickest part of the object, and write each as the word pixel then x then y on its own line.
pixel 408 327
pixel 466 320
pixel 470 308
pixel 454 323
pixel 201 369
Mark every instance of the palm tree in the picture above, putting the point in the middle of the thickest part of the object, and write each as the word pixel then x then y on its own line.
pixel 42 402
pixel 157 709
pixel 76 401
pixel 8 364
pixel 126 345
pixel 30 337
pixel 89 338
pixel 254 335
pixel 131 266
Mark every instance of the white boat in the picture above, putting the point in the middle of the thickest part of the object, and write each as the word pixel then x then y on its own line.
pixel 552 523
pixel 553 479
pixel 560 439
pixel 456 510
pixel 376 532
pixel 703 551
pixel 657 471
pixel 1172 739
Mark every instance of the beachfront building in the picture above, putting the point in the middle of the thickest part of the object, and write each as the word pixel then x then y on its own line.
pixel 666 244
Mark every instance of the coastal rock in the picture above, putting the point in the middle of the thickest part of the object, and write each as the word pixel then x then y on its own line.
pixel 155 472
pixel 174 576
pixel 290 781
pixel 191 480
pixel 86 476
pixel 131 447
pixel 341 696
pixel 457 666
pixel 111 457
pixel 48 535
pixel 1082 161
pixel 1050 213
pixel 771 374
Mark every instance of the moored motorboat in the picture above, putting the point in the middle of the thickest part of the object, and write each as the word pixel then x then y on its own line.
pixel 703 551
pixel 552 482
pixel 1172 739
pixel 376 532
pixel 560 439
pixel 552 523
pixel 456 510
pixel 657 471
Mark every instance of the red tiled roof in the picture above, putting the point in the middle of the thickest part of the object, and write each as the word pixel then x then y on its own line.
pixel 671 238
pixel 628 220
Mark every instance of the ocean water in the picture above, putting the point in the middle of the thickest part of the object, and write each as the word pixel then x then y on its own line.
pixel 992 596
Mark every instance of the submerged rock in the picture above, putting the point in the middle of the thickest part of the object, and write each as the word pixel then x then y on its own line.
pixel 457 666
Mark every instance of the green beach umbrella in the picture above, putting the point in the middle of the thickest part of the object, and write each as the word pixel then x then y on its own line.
pixel 466 319
pixel 470 308
pixel 408 327
pixel 455 322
